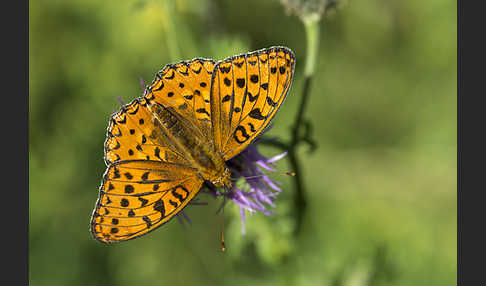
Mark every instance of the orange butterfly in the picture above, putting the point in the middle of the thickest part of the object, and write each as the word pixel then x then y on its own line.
pixel 161 147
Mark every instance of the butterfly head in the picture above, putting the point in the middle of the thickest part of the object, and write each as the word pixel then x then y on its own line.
pixel 223 180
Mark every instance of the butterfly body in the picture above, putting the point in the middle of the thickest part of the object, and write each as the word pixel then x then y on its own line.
pixel 200 151
pixel 195 116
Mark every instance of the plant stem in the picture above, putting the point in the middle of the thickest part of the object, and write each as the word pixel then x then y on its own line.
pixel 171 36
pixel 311 24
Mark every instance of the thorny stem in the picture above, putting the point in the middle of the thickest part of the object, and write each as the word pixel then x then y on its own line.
pixel 311 24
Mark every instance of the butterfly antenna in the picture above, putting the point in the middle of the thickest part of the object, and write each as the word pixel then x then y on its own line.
pixel 223 247
pixel 120 100
pixel 259 176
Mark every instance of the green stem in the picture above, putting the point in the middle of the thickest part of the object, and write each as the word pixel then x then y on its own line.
pixel 311 24
pixel 171 36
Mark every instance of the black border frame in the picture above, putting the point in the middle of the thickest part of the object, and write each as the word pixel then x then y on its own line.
pixel 471 142
pixel 15 229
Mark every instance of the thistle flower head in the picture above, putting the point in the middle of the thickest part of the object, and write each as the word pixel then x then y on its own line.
pixel 305 8
pixel 254 190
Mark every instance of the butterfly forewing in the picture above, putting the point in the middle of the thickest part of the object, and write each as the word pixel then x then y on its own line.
pixel 132 135
pixel 246 92
pixel 185 87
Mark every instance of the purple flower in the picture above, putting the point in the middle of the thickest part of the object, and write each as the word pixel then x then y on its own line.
pixel 253 191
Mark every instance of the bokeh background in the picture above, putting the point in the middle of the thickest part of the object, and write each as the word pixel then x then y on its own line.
pixel 381 186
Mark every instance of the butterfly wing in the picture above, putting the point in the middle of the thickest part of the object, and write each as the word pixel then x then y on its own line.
pixel 185 87
pixel 135 134
pixel 148 180
pixel 246 92
pixel 139 196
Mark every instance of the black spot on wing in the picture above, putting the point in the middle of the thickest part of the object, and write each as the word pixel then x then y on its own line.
pixel 173 203
pixel 240 82
pixel 252 98
pixel 129 189
pixel 271 102
pixel 256 114
pixel 124 120
pixel 240 64
pixel 147 220
pixel 157 153
pixel 116 173
pixel 124 202
pixel 135 110
pixel 227 81
pixel 117 146
pixel 143 201
pixel 185 73
pixel 240 131
pixel 226 98
pixel 160 87
pixel 177 195
pixel 159 206
pixel 145 176
pixel 225 69
pixel 202 110
pixel 171 76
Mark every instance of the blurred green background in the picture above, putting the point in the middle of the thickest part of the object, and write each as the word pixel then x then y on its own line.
pixel 381 186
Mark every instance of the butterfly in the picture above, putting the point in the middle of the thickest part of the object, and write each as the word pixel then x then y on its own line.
pixel 163 146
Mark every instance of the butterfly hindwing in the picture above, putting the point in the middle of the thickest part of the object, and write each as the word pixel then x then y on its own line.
pixel 148 179
pixel 138 196
pixel 246 92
